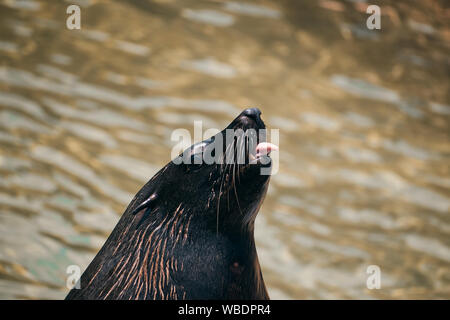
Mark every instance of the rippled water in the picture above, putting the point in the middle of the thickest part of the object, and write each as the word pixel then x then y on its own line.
pixel 86 117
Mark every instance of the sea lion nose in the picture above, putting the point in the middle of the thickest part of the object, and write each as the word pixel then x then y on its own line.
pixel 254 113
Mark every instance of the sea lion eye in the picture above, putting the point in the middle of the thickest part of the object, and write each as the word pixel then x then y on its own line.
pixel 193 157
pixel 197 158
pixel 196 153
pixel 195 162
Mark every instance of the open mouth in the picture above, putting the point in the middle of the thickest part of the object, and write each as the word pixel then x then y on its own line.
pixel 263 149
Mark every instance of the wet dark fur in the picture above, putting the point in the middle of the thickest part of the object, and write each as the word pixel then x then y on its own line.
pixel 195 241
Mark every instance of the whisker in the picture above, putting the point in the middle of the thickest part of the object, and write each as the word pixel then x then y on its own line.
pixel 235 191
pixel 218 200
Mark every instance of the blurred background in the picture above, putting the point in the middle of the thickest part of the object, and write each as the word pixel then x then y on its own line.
pixel 86 117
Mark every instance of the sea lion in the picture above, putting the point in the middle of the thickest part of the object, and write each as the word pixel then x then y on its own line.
pixel 188 233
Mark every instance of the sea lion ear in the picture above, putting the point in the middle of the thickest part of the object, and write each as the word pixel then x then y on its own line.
pixel 144 204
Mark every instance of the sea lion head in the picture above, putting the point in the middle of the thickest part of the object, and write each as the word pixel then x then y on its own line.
pixel 188 233
pixel 224 178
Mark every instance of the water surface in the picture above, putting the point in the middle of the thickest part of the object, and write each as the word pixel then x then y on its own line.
pixel 86 117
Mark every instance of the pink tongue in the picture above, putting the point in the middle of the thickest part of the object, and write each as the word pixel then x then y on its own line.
pixel 264 148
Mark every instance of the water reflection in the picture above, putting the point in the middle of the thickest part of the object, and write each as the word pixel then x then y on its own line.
pixel 86 118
